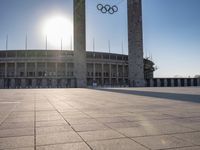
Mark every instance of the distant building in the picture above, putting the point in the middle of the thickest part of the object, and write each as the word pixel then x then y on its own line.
pixel 54 68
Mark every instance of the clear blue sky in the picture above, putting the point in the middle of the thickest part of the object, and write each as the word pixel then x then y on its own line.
pixel 171 29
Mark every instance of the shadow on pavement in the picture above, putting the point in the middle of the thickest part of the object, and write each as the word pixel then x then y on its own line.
pixel 170 96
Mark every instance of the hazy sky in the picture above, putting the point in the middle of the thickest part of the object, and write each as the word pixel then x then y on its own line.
pixel 171 29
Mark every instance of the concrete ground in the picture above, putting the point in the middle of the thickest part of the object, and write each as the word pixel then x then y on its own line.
pixel 101 119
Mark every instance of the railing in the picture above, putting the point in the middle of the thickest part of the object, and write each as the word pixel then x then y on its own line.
pixel 173 82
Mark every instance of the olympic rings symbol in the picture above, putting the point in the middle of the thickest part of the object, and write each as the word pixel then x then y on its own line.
pixel 107 8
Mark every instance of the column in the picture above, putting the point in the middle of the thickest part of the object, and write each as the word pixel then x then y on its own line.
pixel 25 69
pixel 80 43
pixel 135 43
pixel 45 69
pixel 185 82
pixel 94 72
pixel 66 70
pixel 102 74
pixel 23 83
pixel 158 83
pixel 34 83
pixel 54 83
pixel 123 74
pixel 44 83
pixel 192 82
pixel 36 70
pixel 165 82
pixel 179 82
pixel 56 69
pixel 6 70
pixel 151 82
pixel 110 74
pixel 117 74
pixel 15 70
pixel 172 82
pixel 12 83
pixel 198 82
pixel 1 83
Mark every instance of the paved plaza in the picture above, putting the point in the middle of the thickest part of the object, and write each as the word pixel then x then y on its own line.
pixel 100 119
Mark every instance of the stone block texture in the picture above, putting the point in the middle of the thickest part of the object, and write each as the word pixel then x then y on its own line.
pixel 80 43
pixel 135 43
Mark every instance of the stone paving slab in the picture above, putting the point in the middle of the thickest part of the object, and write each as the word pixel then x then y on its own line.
pixel 116 144
pixel 16 142
pixel 69 146
pixel 162 142
pixel 57 138
pixel 100 119
pixel 100 135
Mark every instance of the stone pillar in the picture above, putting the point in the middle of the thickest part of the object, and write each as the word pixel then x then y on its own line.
pixel 110 74
pixel 44 83
pixel 117 74
pixel 165 82
pixel 172 82
pixel 151 83
pixel 1 83
pixel 12 83
pixel 135 43
pixel 192 82
pixel 6 70
pixel 15 70
pixel 45 69
pixel 36 69
pixel 56 69
pixel 158 83
pixel 102 74
pixel 80 43
pixel 34 83
pixel 198 82
pixel 66 69
pixel 73 83
pixel 123 75
pixel 185 82
pixel 25 70
pixel 63 83
pixel 23 83
pixel 54 83
pixel 179 82
pixel 94 72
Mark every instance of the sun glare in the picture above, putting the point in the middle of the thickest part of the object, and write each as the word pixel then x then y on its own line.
pixel 58 30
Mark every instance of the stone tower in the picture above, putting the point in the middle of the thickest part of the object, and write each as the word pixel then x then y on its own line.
pixel 135 43
pixel 80 43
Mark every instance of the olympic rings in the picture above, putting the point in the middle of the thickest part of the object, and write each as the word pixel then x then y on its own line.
pixel 107 8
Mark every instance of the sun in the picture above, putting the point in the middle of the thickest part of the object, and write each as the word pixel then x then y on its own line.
pixel 58 31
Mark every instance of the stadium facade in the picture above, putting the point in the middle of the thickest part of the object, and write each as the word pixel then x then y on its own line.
pixel 56 68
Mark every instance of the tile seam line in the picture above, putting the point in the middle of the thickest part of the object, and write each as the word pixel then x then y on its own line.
pixel 34 121
pixel 69 124
pixel 8 114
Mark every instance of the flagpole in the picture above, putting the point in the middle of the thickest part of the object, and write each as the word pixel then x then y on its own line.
pixel 93 45
pixel 7 42
pixel 122 47
pixel 26 42
pixel 61 44
pixel 109 45
pixel 46 43
pixel 94 65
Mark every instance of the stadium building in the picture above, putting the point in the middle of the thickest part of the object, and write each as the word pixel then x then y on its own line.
pixel 55 68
